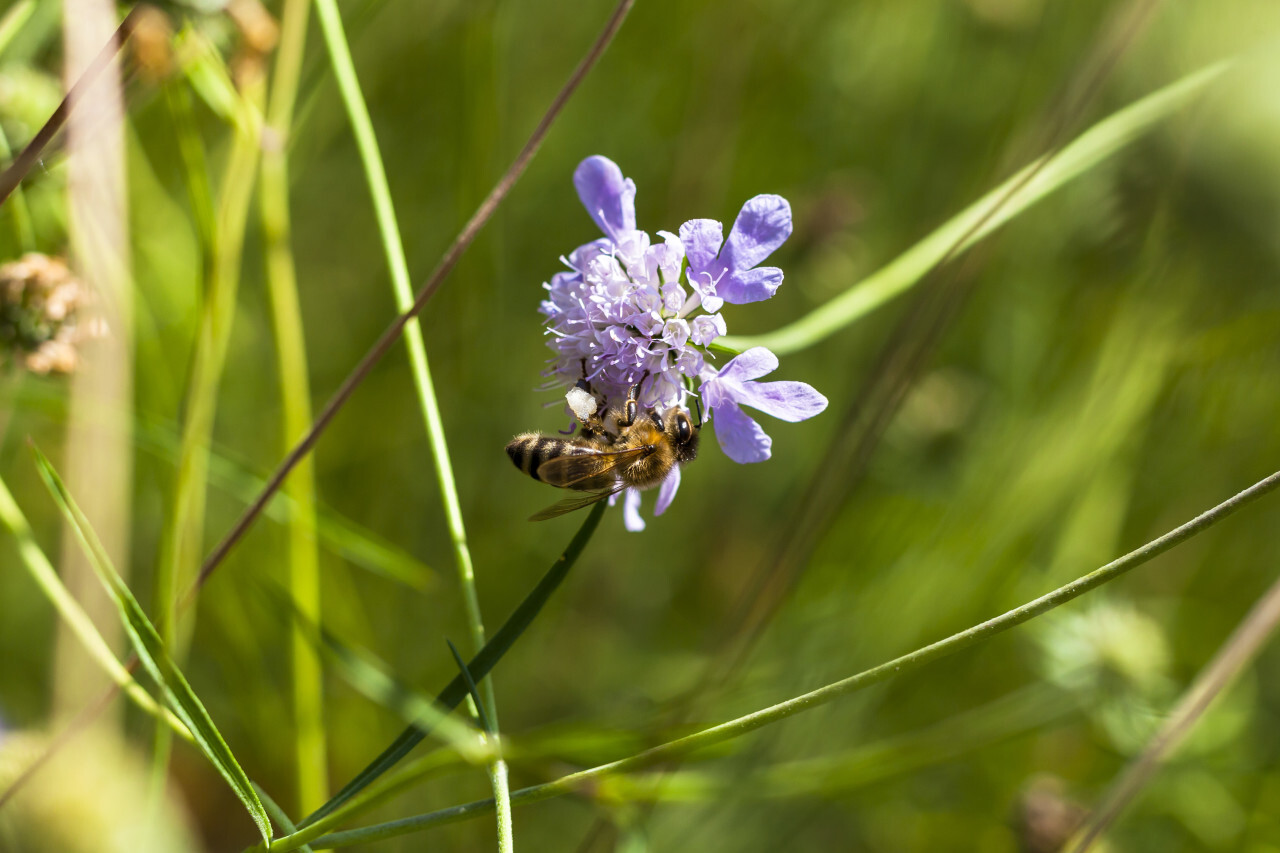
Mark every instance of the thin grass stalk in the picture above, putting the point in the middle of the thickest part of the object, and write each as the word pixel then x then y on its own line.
pixel 46 578
pixel 277 814
pixel 222 242
pixel 23 229
pixel 13 21
pixel 393 246
pixel 1235 654
pixel 11 177
pixel 200 197
pixel 151 651
pixel 99 445
pixel 984 217
pixel 310 752
pixel 184 534
pixel 449 698
pixel 83 720
pixel 460 244
pixel 766 716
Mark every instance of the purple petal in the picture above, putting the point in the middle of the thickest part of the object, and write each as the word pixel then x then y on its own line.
pixel 607 196
pixel 762 226
pixel 631 511
pixel 786 401
pixel 752 364
pixel 706 328
pixel 712 303
pixel 740 437
pixel 667 491
pixel 702 239
pixel 745 286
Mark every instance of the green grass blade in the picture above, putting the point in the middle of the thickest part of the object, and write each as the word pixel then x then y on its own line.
pixel 479 666
pixel 273 808
pixel 13 21
pixel 402 288
pixel 807 701
pixel 372 678
pixel 43 573
pixel 211 81
pixel 310 747
pixel 151 651
pixel 983 217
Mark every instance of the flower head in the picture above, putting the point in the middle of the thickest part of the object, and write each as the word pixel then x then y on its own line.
pixel 40 304
pixel 631 310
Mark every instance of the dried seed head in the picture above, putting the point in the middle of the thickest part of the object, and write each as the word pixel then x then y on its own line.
pixel 41 304
pixel 152 43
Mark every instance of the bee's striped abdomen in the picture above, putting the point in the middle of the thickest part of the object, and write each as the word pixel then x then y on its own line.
pixel 530 450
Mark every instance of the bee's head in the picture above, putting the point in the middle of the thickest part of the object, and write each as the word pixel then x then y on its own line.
pixel 683 432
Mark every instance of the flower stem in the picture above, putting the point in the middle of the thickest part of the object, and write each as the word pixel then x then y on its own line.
pixel 1239 649
pixel 43 573
pixel 816 698
pixel 295 389
pixel 982 218
pixel 23 229
pixel 388 227
pixel 460 244
pixel 456 691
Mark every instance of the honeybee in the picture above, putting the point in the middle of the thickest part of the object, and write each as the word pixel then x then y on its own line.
pixel 630 447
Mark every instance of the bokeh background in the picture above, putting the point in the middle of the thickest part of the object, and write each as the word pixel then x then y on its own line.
pixel 1110 369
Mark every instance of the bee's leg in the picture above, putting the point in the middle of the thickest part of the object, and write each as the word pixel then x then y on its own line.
pixel 632 407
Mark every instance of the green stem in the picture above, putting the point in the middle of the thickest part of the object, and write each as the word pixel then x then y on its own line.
pixel 1240 648
pixel 183 537
pixel 983 217
pixel 816 698
pixel 43 573
pixel 165 583
pixel 295 391
pixel 451 696
pixel 278 815
pixel 12 22
pixel 23 229
pixel 384 209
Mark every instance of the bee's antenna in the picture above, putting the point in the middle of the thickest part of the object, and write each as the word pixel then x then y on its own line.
pixel 697 408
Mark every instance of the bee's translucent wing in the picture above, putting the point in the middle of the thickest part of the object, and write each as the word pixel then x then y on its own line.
pixel 571 504
pixel 570 469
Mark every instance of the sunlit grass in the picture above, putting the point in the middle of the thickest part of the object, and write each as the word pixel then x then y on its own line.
pixel 1104 373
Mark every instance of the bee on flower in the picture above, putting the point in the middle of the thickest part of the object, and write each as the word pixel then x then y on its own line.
pixel 632 322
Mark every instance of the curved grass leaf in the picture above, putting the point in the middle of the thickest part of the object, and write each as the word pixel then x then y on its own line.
pixel 479 666
pixel 371 677
pixel 756 720
pixel 983 217
pixel 278 813
pixel 42 572
pixel 235 477
pixel 151 651
pixel 14 20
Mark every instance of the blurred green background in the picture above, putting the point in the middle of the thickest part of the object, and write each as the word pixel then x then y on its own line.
pixel 1113 370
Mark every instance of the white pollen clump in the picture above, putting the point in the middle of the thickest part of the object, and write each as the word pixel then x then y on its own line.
pixel 582 402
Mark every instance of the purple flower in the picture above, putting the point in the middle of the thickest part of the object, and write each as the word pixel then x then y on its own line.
pixel 627 308
pixel 734 386
pixel 729 272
